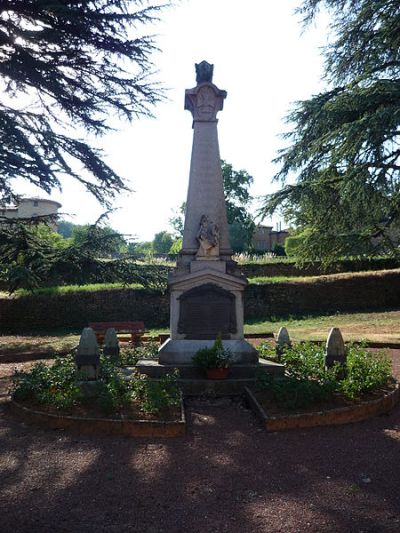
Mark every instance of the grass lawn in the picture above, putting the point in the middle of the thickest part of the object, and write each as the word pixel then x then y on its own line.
pixel 376 327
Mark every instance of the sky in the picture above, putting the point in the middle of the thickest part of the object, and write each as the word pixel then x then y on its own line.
pixel 262 58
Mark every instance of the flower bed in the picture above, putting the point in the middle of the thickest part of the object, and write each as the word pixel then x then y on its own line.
pixel 56 396
pixel 309 394
pixel 275 419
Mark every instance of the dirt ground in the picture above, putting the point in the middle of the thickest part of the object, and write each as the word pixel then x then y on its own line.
pixel 226 475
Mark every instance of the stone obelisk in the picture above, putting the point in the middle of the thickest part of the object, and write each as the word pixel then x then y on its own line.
pixel 206 288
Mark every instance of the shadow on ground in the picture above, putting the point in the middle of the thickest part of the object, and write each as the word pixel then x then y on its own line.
pixel 226 475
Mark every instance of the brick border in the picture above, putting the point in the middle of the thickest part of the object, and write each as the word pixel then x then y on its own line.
pixel 330 417
pixel 127 428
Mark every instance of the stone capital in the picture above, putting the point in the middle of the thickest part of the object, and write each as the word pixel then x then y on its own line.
pixel 204 101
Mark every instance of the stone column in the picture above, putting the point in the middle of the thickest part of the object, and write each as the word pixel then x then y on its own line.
pixel 206 188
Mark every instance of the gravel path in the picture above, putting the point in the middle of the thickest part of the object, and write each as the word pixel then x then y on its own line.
pixel 226 475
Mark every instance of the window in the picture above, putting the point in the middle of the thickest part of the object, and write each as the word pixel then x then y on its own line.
pixel 35 203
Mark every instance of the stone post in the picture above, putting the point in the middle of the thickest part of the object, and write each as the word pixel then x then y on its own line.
pixel 111 344
pixel 335 351
pixel 282 341
pixel 87 357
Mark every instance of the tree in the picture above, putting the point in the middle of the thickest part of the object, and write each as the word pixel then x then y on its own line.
pixel 162 242
pixel 237 200
pixel 102 240
pixel 344 148
pixel 67 65
pixel 65 228
pixel 177 221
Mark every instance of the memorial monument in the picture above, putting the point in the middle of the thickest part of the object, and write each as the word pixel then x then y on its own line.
pixel 206 287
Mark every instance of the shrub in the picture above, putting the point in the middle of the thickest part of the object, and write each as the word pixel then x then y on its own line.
pixel 366 372
pixel 156 396
pixel 214 357
pixel 55 385
pixel 307 381
pixel 58 386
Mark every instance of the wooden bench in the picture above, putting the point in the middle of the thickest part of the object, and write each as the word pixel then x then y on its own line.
pixel 134 329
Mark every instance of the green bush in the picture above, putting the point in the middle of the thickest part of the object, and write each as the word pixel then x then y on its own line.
pixel 307 381
pixel 214 357
pixel 366 372
pixel 58 386
pixel 156 395
pixel 54 385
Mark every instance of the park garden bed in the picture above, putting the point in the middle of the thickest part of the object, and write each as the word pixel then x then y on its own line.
pixel 56 396
pixel 309 394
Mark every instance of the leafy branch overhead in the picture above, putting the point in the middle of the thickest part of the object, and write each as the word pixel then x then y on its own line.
pixel 344 148
pixel 32 256
pixel 67 66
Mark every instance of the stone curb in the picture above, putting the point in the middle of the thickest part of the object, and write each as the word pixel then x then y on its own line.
pixel 127 428
pixel 331 417
pixel 24 357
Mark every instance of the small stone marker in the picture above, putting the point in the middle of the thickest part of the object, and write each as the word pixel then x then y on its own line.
pixel 335 350
pixel 282 341
pixel 87 357
pixel 111 344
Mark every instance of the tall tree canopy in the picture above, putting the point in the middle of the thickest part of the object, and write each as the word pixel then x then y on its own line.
pixel 67 64
pixel 237 200
pixel 344 147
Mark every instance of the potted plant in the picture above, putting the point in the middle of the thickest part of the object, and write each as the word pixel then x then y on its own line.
pixel 214 361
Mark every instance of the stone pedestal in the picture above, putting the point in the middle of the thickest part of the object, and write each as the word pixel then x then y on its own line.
pixel 206 288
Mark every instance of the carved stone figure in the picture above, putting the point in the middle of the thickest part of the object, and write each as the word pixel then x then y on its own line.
pixel 208 237
pixel 206 104
pixel 204 72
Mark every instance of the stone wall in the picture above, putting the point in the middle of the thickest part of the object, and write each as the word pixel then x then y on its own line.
pixel 358 292
pixel 75 310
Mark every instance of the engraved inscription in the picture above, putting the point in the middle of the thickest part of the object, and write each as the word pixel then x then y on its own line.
pixel 206 312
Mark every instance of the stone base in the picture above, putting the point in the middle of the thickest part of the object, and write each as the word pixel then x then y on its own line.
pixel 192 381
pixel 176 352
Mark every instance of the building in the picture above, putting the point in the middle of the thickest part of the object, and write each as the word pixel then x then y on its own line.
pixel 265 237
pixel 30 207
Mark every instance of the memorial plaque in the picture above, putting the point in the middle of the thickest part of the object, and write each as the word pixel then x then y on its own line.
pixel 206 312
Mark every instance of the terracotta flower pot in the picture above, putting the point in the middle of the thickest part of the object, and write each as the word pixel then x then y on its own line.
pixel 217 373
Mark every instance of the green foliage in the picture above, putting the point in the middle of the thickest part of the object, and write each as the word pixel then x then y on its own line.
pixel 54 385
pixel 238 200
pixel 344 145
pixel 65 228
pixel 57 386
pixel 73 64
pixel 102 240
pixel 176 247
pixel 155 396
pixel 278 250
pixel 115 391
pixel 293 244
pixel 365 372
pixel 307 381
pixel 29 261
pixel 177 221
pixel 214 357
pixel 162 242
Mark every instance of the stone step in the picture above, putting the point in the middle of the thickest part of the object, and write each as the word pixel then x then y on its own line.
pixel 154 369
